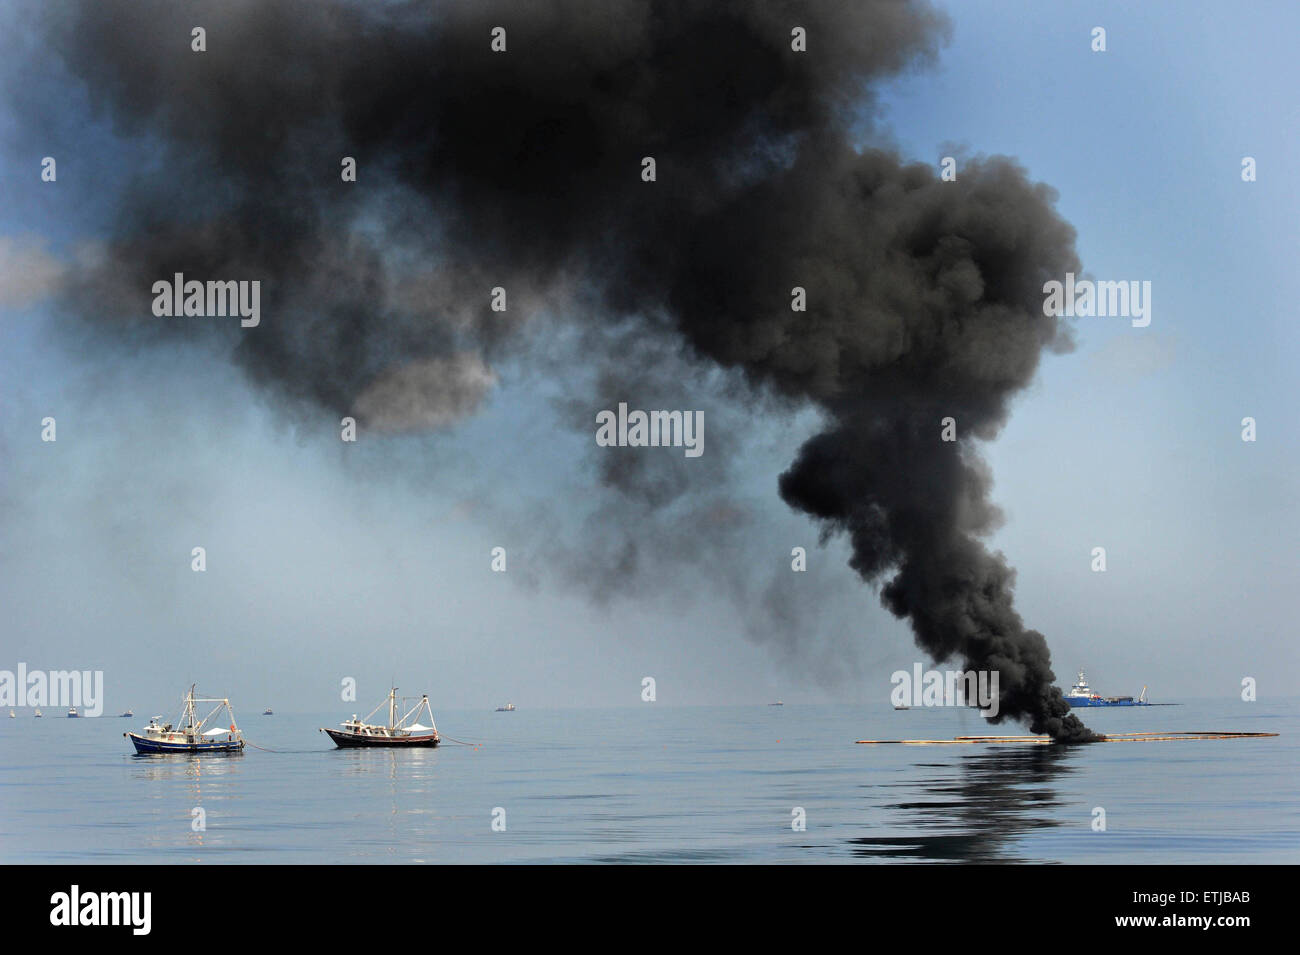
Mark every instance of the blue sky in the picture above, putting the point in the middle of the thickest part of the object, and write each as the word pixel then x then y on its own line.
pixel 323 566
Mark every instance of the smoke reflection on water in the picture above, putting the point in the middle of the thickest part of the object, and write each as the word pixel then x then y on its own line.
pixel 973 809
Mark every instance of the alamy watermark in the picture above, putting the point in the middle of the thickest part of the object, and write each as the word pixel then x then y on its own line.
pixel 75 907
pixel 195 299
pixel 946 688
pixel 1085 299
pixel 651 429
pixel 82 689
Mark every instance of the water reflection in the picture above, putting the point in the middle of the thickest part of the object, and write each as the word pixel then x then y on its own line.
pixel 401 784
pixel 395 764
pixel 185 778
pixel 971 809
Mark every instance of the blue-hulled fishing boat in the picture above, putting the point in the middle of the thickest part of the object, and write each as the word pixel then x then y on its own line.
pixel 189 735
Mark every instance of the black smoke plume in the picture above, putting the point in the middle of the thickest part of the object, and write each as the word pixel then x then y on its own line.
pixel 522 169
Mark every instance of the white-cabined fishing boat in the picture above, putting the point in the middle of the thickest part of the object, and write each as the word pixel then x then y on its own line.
pixel 398 731
pixel 189 736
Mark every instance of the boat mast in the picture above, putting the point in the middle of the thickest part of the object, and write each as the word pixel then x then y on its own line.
pixel 392 708
pixel 433 724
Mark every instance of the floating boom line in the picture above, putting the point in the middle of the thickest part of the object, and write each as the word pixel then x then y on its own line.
pixel 1108 738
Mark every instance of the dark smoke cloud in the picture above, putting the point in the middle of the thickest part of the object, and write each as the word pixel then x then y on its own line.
pixel 522 169
pixel 928 306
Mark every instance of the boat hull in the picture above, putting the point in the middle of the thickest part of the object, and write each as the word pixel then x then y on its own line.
pixel 1085 701
pixel 358 741
pixel 145 746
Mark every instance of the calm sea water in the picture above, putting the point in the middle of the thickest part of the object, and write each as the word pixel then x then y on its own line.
pixel 662 784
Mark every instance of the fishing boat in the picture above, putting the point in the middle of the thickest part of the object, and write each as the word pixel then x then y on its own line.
pixel 398 731
pixel 189 735
pixel 72 713
pixel 508 708
pixel 777 703
pixel 267 712
pixel 127 714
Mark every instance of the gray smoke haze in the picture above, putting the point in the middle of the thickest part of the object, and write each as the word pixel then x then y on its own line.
pixel 522 169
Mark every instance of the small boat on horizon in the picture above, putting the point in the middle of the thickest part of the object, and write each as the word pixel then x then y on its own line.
pixel 13 715
pixel 398 731
pixel 189 736
pixel 508 708
pixel 72 713
pixel 903 706
pixel 37 714
pixel 127 714
pixel 267 712
pixel 777 703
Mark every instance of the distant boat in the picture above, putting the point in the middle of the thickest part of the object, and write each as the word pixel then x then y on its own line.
pixel 13 715
pixel 267 713
pixel 1081 695
pixel 397 732
pixel 508 708
pixel 37 714
pixel 903 707
pixel 777 703
pixel 72 713
pixel 189 736
pixel 127 714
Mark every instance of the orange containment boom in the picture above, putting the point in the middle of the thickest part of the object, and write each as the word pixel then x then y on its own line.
pixel 1109 738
